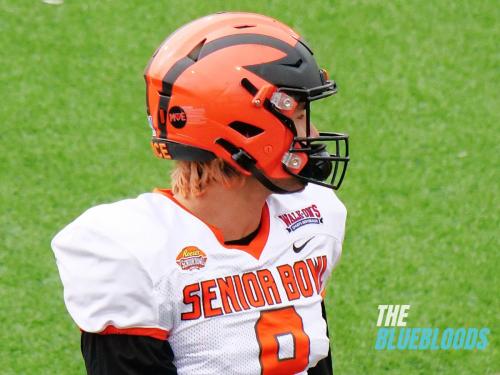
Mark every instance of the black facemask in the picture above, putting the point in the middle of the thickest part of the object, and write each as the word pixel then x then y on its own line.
pixel 328 153
pixel 324 166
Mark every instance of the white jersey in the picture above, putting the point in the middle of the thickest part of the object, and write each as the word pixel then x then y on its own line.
pixel 147 266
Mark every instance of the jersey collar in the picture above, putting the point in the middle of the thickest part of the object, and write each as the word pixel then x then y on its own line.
pixel 254 248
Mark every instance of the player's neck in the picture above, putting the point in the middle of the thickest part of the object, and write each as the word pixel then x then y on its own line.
pixel 236 212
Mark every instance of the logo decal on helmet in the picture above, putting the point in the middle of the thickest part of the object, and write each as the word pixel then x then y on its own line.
pixel 196 115
pixel 177 117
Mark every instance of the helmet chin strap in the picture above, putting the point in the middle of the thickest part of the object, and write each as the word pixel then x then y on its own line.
pixel 262 178
pixel 248 163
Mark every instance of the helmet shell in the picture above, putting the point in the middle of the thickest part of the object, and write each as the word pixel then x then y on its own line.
pixel 195 95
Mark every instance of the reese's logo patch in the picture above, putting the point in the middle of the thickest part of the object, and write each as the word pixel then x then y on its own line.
pixel 191 258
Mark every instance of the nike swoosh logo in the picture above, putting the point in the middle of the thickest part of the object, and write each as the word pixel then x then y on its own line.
pixel 298 249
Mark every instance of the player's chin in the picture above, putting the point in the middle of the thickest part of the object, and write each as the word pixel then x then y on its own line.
pixel 291 184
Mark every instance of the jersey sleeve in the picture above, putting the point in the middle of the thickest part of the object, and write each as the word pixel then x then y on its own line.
pixel 106 289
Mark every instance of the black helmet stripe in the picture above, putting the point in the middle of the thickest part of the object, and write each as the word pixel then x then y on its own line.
pixel 297 69
pixel 167 84
pixel 204 49
pixel 288 71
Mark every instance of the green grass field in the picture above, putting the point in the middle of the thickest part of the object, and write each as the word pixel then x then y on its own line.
pixel 419 96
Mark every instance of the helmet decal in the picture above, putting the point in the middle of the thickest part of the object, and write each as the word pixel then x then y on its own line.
pixel 177 117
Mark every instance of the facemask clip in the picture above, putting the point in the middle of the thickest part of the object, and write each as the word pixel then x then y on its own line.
pixel 283 101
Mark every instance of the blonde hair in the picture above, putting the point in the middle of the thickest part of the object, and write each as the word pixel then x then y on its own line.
pixel 191 178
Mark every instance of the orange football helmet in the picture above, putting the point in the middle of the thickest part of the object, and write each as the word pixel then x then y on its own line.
pixel 225 86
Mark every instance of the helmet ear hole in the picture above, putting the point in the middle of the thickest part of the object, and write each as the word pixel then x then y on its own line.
pixel 246 130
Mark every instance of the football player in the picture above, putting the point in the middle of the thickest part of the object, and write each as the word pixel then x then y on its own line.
pixel 226 272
